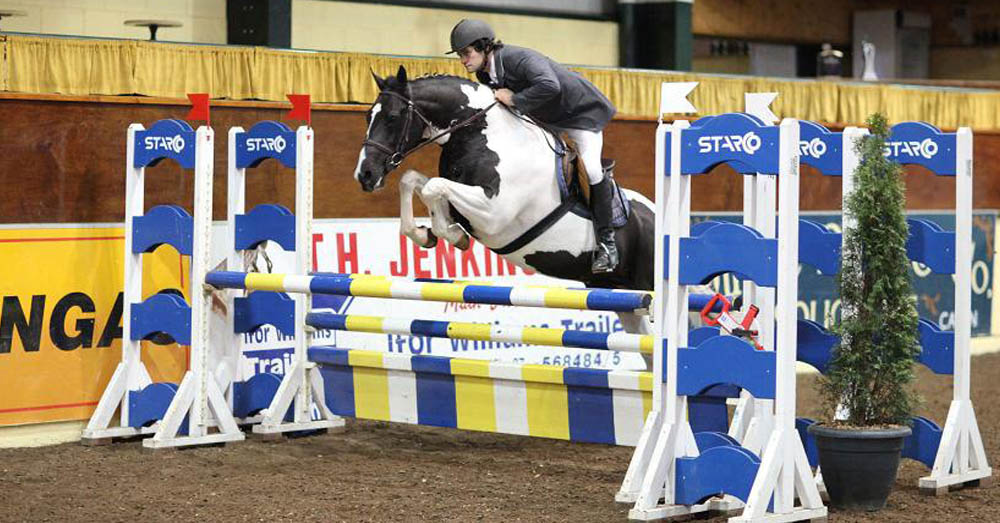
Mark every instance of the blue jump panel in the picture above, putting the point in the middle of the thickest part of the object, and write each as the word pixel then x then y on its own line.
pixel 808 441
pixel 937 348
pixel 149 404
pixel 931 245
pixel 743 141
pixel 591 405
pixel 821 148
pixel 338 379
pixel 726 360
pixel 435 391
pixel 255 394
pixel 922 444
pixel 711 439
pixel 165 139
pixel 921 143
pixel 815 344
pixel 819 247
pixel 728 247
pixel 264 307
pixel 163 224
pixel 265 222
pixel 266 139
pixel 164 312
pixel 719 470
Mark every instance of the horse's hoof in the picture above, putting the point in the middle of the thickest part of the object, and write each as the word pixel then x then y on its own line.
pixel 463 244
pixel 432 240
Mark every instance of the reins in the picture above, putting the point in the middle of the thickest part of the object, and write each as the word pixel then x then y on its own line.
pixel 397 156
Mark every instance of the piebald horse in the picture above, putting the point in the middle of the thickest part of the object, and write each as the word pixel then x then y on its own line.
pixel 497 182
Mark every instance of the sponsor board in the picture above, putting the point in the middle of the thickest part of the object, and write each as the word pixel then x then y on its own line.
pixel 376 247
pixel 60 321
pixel 935 293
pixel 60 327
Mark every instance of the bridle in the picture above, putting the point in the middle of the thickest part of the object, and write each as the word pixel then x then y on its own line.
pixel 397 155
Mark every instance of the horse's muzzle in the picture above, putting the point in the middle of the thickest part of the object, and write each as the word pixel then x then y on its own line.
pixel 370 181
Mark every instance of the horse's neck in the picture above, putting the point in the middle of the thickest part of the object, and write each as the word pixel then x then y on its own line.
pixel 472 155
pixel 504 134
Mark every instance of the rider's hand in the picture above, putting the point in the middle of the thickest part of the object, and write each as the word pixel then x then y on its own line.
pixel 505 96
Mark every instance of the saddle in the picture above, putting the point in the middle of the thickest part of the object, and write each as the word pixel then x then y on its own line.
pixel 574 181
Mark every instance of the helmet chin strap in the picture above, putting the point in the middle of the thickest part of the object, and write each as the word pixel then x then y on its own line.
pixel 485 68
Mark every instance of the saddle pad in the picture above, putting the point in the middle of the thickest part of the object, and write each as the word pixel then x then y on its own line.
pixel 573 183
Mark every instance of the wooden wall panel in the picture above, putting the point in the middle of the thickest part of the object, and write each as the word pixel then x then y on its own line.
pixel 64 162
pixel 819 21
pixel 787 21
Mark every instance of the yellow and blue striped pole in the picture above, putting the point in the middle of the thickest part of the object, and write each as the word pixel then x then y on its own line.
pixel 615 341
pixel 380 287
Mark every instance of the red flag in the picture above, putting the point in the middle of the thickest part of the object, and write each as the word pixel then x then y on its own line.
pixel 300 108
pixel 199 108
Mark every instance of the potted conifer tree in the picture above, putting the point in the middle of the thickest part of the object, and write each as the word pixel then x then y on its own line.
pixel 867 393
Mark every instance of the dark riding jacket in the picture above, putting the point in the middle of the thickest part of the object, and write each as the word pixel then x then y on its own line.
pixel 547 91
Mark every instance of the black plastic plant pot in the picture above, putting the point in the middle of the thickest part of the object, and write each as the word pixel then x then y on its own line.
pixel 859 465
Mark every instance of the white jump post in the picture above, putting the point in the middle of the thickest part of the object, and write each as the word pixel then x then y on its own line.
pixel 198 399
pixel 782 472
pixel 753 419
pixel 301 388
pixel 673 100
pixel 961 457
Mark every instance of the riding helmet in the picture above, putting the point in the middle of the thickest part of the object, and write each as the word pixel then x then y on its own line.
pixel 468 31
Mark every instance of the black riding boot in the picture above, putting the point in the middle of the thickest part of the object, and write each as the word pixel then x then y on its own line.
pixel 606 255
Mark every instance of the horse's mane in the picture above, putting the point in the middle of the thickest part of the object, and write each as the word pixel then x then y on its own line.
pixel 431 77
pixel 441 76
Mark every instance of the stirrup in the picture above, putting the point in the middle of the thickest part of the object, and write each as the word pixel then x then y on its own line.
pixel 605 260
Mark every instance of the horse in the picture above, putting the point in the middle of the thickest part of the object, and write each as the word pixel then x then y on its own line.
pixel 497 182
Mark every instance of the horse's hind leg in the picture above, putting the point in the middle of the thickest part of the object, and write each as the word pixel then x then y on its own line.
pixel 412 181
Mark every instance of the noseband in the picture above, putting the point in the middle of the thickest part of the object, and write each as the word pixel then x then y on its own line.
pixel 397 155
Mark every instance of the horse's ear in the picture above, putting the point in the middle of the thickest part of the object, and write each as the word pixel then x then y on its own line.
pixel 379 81
pixel 401 75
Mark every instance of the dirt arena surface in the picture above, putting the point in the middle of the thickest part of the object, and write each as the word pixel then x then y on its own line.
pixel 380 472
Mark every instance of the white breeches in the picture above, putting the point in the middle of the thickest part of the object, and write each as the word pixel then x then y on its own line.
pixel 589 145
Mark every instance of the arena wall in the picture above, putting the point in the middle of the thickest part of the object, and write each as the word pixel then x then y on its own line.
pixel 64 155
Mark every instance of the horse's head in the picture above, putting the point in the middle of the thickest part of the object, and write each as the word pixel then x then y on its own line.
pixel 394 126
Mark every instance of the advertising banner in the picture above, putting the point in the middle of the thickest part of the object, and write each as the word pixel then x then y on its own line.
pixel 935 293
pixel 60 322
pixel 61 315
pixel 376 247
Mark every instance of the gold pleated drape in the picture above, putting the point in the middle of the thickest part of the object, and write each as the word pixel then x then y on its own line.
pixel 123 67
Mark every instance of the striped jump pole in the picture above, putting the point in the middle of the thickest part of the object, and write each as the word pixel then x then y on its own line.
pixel 487 293
pixel 378 287
pixel 615 341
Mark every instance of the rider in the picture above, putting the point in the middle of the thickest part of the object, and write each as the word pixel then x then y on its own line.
pixel 533 84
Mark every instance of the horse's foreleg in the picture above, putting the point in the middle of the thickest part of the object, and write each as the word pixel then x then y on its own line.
pixel 412 181
pixel 439 194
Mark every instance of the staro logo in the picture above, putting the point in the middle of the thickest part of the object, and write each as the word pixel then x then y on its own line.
pixel 173 144
pixel 273 144
pixel 748 143
pixel 814 148
pixel 926 148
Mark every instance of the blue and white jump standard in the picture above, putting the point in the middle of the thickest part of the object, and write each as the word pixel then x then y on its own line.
pixel 301 388
pixel 777 485
pixel 955 453
pixel 196 411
